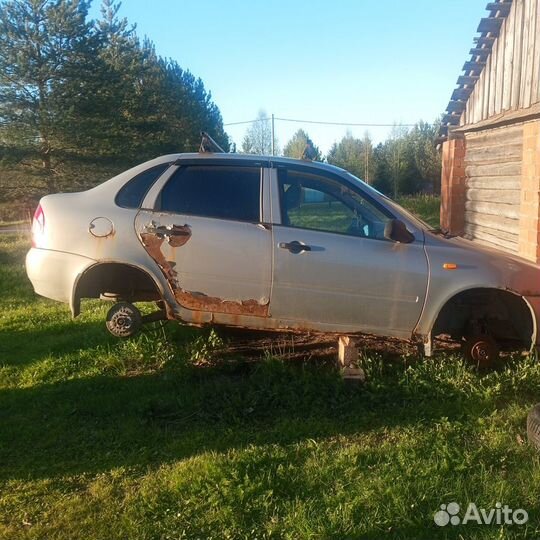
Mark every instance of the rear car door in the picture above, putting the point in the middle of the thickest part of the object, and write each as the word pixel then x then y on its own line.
pixel 205 233
pixel 333 266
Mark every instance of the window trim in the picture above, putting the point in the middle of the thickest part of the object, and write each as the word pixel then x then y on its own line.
pixel 217 163
pixel 335 178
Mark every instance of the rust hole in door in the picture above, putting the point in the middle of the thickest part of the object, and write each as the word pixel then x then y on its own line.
pixel 197 301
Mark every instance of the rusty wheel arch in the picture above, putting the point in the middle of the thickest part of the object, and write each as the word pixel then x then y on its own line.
pixel 120 279
pixel 506 314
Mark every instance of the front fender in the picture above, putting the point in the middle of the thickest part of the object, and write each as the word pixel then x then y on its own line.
pixel 477 267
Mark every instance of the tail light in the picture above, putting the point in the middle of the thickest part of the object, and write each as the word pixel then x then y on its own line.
pixel 38 228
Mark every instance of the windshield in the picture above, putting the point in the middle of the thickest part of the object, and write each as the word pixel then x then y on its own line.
pixel 395 207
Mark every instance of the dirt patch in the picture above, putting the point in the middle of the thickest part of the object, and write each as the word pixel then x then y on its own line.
pixel 253 345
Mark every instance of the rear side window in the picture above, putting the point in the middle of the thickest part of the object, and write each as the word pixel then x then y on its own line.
pixel 132 194
pixel 223 192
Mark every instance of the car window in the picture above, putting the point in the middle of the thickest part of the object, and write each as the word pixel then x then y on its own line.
pixel 132 193
pixel 224 192
pixel 311 201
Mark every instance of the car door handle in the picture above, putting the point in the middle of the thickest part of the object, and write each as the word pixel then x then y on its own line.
pixel 294 246
pixel 168 230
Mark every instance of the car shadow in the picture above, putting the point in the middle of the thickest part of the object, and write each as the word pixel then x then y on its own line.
pixel 21 347
pixel 94 424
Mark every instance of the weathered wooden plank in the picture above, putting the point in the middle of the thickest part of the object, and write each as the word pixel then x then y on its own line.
pixel 492 70
pixel 479 98
pixel 461 94
pixel 490 25
pixel 499 55
pixel 527 59
pixel 506 210
pixel 503 120
pixel 466 114
pixel 535 87
pixel 501 240
pixel 495 137
pixel 456 106
pixel 494 182
pixel 483 108
pixel 494 245
pixel 494 169
pixel 493 154
pixel 518 53
pixel 452 119
pixel 467 80
pixel 501 196
pixel 484 40
pixel 470 107
pixel 483 52
pixel 480 231
pixel 494 222
pixel 508 59
pixel 502 7
pixel 475 66
pixel 533 45
pixel 487 157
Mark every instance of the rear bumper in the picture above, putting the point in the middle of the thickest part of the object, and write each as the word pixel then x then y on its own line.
pixel 53 273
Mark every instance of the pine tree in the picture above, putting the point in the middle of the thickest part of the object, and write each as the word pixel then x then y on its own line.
pixel 44 46
pixel 353 154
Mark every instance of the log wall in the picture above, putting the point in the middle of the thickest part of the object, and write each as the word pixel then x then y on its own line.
pixel 493 171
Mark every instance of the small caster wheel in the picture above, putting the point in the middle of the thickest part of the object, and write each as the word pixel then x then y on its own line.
pixel 481 350
pixel 123 320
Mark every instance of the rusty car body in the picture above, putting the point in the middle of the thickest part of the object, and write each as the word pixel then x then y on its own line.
pixel 274 243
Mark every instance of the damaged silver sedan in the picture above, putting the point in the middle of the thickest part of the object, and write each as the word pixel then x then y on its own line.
pixel 275 243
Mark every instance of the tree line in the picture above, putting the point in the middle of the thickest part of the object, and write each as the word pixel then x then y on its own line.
pixel 74 89
pixel 406 162
pixel 83 99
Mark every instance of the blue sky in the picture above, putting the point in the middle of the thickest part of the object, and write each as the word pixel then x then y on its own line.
pixel 363 61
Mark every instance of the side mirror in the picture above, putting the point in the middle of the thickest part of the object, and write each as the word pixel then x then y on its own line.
pixel 397 231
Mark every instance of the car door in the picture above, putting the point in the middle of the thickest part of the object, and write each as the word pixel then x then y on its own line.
pixel 205 233
pixel 333 266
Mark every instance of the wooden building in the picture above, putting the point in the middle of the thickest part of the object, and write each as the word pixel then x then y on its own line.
pixel 490 136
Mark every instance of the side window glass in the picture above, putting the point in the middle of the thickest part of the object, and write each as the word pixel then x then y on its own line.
pixel 132 193
pixel 223 192
pixel 310 201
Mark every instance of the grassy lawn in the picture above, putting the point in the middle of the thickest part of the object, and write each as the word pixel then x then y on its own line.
pixel 107 439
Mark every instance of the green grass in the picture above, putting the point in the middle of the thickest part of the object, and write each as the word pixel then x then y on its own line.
pixel 426 206
pixel 325 216
pixel 107 439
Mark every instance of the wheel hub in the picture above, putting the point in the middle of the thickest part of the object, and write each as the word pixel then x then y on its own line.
pixel 482 351
pixel 123 320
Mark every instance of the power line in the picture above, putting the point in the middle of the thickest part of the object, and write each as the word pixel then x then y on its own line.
pixel 320 122
pixel 246 122
pixel 360 124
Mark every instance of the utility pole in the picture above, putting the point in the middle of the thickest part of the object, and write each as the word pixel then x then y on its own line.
pixel 368 149
pixel 273 137
pixel 366 160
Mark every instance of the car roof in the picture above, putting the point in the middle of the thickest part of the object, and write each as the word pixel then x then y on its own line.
pixel 258 159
